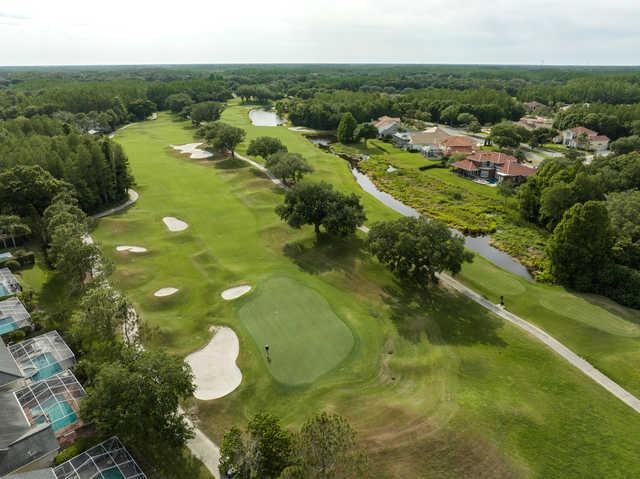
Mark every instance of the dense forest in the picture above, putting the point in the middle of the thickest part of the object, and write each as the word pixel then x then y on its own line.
pixel 54 124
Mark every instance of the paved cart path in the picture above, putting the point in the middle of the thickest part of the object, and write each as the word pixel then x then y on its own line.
pixel 538 333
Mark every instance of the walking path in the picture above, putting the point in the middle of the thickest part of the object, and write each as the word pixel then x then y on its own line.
pixel 200 446
pixel 133 197
pixel 538 333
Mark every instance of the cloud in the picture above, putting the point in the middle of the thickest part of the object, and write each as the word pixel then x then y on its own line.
pixel 424 31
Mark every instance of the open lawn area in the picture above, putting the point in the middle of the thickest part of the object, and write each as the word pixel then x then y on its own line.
pixel 435 385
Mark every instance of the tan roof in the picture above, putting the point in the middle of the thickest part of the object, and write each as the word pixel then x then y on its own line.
pixel 581 129
pixel 385 121
pixel 432 136
pixel 599 138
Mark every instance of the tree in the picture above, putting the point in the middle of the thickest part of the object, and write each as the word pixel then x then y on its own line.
pixel 98 324
pixel 466 119
pixel 327 449
pixel 264 451
pixel 625 145
pixel 509 135
pixel 366 131
pixel 178 101
pixel 265 146
pixel 13 227
pixel 289 167
pixel 205 111
pixel 27 190
pixel 137 399
pixel 347 128
pixel 318 205
pixel 624 214
pixel 228 137
pixel 416 249
pixel 141 108
pixel 72 255
pixel 540 136
pixel 580 245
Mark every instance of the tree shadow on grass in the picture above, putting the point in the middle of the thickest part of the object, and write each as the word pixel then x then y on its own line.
pixel 231 164
pixel 443 316
pixel 325 254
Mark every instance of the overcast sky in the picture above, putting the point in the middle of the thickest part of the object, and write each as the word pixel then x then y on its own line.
pixel 586 32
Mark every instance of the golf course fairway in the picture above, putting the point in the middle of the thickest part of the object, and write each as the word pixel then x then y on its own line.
pixel 434 384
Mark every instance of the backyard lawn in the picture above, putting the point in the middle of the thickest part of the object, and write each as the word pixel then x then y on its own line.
pixel 436 386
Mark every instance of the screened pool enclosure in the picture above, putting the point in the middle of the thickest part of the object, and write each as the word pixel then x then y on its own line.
pixel 42 356
pixel 55 400
pixel 107 460
pixel 13 315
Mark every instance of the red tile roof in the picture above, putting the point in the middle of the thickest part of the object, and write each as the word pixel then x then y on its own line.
pixel 513 168
pixel 492 156
pixel 599 138
pixel 458 140
pixel 581 129
pixel 465 165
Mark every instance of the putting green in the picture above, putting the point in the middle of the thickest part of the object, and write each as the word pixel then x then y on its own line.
pixel 306 339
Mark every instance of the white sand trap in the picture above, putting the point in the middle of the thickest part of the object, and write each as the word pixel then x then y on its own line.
pixel 193 151
pixel 162 292
pixel 233 293
pixel 131 249
pixel 174 224
pixel 214 366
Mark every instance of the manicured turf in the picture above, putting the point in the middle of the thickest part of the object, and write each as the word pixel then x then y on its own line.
pixel 436 386
pixel 305 337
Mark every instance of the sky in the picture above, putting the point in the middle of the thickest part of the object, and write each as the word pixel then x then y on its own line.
pixel 72 32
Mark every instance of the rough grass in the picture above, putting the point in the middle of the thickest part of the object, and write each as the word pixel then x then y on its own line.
pixel 436 385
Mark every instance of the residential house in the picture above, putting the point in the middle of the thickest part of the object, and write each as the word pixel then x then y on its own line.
pixel 13 315
pixel 387 125
pixel 493 167
pixel 24 445
pixel 429 141
pixel 535 122
pixel 584 138
pixel 10 374
pixel 458 144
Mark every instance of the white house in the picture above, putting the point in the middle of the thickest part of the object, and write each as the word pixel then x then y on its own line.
pixel 387 125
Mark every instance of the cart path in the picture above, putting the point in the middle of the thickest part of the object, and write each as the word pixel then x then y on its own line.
pixel 533 330
pixel 200 445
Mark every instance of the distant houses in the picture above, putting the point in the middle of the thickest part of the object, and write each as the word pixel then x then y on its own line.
pixel 535 122
pixel 429 141
pixel 583 138
pixel 387 125
pixel 492 166
pixel 533 106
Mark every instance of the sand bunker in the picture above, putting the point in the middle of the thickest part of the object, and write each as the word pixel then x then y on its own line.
pixel 131 249
pixel 233 293
pixel 174 224
pixel 162 292
pixel 193 151
pixel 214 366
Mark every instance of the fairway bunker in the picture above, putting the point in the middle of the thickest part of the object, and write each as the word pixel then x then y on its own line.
pixel 174 224
pixel 215 371
pixel 163 292
pixel 131 249
pixel 236 292
pixel 193 151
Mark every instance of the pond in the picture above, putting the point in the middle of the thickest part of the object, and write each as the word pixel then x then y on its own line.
pixel 265 118
pixel 478 244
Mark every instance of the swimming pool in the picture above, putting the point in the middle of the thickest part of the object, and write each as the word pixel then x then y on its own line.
pixel 113 473
pixel 46 365
pixel 57 411
pixel 7 324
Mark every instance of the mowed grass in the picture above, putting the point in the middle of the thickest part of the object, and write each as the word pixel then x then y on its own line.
pixel 435 385
pixel 306 339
